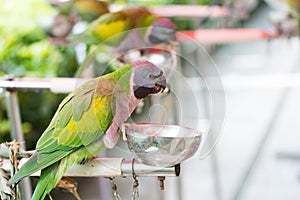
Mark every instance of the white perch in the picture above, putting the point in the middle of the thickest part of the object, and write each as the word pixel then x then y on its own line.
pixel 183 10
pixel 249 82
pixel 55 85
pixel 189 11
pixel 111 167
pixel 223 36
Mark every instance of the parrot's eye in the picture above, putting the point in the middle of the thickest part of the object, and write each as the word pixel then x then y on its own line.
pixel 164 31
pixel 156 75
pixel 151 76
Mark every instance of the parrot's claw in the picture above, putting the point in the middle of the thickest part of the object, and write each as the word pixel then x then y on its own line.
pixel 69 185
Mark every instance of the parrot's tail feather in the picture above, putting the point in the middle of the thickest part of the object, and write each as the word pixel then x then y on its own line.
pixel 49 178
pixel 23 173
pixel 33 164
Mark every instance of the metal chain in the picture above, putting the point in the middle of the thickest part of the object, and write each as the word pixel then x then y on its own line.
pixel 114 188
pixel 135 189
pixel 135 193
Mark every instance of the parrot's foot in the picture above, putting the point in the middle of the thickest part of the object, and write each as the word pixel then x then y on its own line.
pixel 69 185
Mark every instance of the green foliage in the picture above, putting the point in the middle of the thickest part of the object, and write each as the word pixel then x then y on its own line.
pixel 168 2
pixel 26 52
pixel 24 47
pixel 4 123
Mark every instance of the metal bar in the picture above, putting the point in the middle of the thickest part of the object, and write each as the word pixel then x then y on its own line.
pixel 17 133
pixel 190 11
pixel 175 110
pixel 211 141
pixel 141 169
pixel 55 85
pixel 288 155
pixel 111 167
pixel 13 112
pixel 216 172
pixel 26 84
pixel 224 36
pixel 250 82
pixel 182 10
pixel 261 145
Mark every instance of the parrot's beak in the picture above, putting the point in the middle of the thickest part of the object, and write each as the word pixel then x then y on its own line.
pixel 153 87
pixel 174 43
pixel 160 86
pixel 173 39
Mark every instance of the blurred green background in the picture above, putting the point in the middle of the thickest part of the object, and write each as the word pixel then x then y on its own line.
pixel 26 52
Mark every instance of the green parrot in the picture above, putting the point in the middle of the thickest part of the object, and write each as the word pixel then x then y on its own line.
pixel 69 13
pixel 88 120
pixel 86 10
pixel 89 10
pixel 127 29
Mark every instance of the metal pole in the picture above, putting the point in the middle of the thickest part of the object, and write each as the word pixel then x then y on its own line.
pixel 111 167
pixel 17 133
pixel 261 145
pixel 214 159
pixel 178 185
pixel 14 117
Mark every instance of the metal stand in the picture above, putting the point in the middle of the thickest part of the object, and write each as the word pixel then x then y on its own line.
pixel 112 167
pixel 11 87
pixel 17 133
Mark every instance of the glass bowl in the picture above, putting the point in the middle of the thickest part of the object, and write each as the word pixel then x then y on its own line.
pixel 160 144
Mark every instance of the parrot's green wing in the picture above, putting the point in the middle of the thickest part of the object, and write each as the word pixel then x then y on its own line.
pixel 66 130
pixel 82 117
pixel 89 10
pixel 110 28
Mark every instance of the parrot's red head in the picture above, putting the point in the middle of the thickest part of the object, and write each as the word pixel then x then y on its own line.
pixel 147 79
pixel 163 30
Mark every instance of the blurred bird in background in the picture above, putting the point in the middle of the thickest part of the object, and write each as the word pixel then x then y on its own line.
pixel 86 10
pixel 59 28
pixel 285 17
pixel 294 6
pixel 127 29
pixel 68 14
pixel 115 34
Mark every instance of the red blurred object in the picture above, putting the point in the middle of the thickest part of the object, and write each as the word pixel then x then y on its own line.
pixel 189 11
pixel 182 10
pixel 220 36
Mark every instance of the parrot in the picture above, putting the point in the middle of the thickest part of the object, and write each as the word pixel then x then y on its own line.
pixel 88 121
pixel 89 10
pixel 59 28
pixel 127 29
pixel 69 13
pixel 86 10
pixel 294 6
